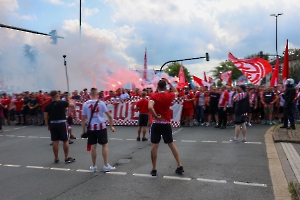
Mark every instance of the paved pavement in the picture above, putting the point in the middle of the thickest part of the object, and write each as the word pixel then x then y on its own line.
pixel 214 168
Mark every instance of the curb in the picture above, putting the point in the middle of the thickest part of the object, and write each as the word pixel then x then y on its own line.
pixel 279 181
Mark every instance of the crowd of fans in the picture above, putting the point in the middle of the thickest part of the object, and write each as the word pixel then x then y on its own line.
pixel 201 105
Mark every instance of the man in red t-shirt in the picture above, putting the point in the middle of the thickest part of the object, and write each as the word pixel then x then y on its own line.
pixel 222 106
pixel 18 109
pixel 188 106
pixel 159 106
pixel 142 107
pixel 6 102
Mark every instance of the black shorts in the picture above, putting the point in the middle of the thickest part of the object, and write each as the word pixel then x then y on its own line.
pixel 251 109
pixel 229 110
pixel 281 109
pixel 97 136
pixel 18 113
pixel 58 131
pixel 143 119
pixel 33 112
pixel 239 119
pixel 25 110
pixel 5 113
pixel 157 130
pixel 213 110
pixel 70 120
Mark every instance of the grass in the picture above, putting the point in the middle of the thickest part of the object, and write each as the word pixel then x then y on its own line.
pixel 293 192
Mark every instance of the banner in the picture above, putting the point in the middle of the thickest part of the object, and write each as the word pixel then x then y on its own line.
pixel 124 113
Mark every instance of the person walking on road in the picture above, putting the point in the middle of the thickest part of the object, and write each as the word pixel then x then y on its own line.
pixel 159 106
pixel 97 132
pixel 55 118
pixel 289 95
pixel 240 112
pixel 142 107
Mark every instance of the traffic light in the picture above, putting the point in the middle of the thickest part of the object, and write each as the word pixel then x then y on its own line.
pixel 207 56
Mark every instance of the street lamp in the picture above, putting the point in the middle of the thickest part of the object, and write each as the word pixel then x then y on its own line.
pixel 276 15
pixel 65 63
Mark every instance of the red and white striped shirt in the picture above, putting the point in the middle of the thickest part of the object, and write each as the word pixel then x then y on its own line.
pixel 98 118
pixel 240 96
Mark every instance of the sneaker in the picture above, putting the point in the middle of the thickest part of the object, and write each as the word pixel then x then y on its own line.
pixel 56 161
pixel 234 140
pixel 138 139
pixel 271 123
pixel 108 168
pixel 207 124
pixel 69 160
pixel 71 142
pixel 249 124
pixel 144 139
pixel 179 170
pixel 244 140
pixel 153 173
pixel 72 137
pixel 202 124
pixel 264 123
pixel 93 168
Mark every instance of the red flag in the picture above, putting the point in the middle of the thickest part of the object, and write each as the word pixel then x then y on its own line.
pixel 181 77
pixel 254 69
pixel 285 69
pixel 205 79
pixel 226 76
pixel 274 79
pixel 145 66
pixel 200 82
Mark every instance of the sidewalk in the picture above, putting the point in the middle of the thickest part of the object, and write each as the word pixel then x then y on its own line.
pixel 283 151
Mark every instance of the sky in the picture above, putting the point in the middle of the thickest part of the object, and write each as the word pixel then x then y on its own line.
pixel 115 34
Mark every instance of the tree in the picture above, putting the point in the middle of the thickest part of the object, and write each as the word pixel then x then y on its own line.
pixel 295 72
pixel 260 55
pixel 226 66
pixel 173 70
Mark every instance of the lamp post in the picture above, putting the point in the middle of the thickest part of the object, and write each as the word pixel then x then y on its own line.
pixel 276 15
pixel 65 63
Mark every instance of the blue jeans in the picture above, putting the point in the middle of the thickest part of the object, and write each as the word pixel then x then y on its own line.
pixel 200 114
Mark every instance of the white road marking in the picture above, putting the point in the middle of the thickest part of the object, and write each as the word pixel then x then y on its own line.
pixel 250 184
pixel 210 141
pixel 252 142
pixel 188 141
pixel 211 180
pixel 176 131
pixel 177 178
pixel 16 128
pixel 130 139
pixel 115 138
pixel 37 167
pixel 10 135
pixel 144 175
pixel 1 135
pixel 21 136
pixel 60 169
pixel 45 137
pixel 117 173
pixel 83 170
pixel 226 142
pixel 33 137
pixel 9 165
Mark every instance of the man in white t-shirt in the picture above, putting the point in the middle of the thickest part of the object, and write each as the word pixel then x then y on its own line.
pixel 98 131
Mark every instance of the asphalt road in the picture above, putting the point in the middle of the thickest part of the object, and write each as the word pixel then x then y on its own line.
pixel 214 168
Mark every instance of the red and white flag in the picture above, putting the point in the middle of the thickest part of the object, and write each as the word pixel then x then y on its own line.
pixel 205 79
pixel 254 69
pixel 274 79
pixel 286 69
pixel 226 76
pixel 201 82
